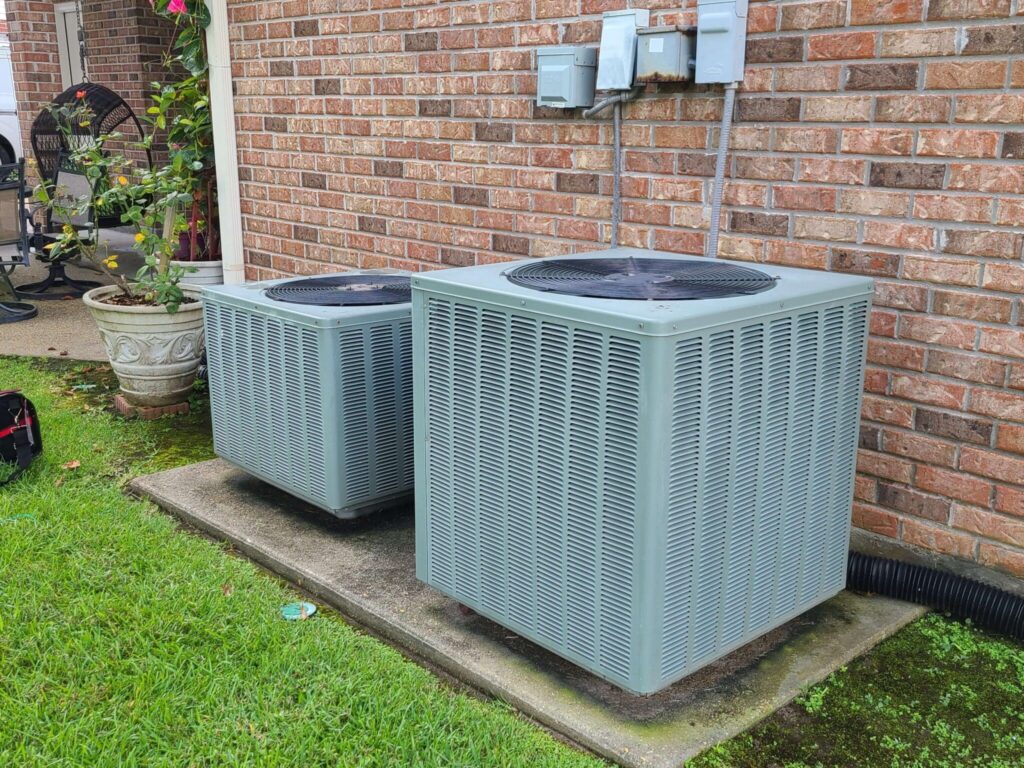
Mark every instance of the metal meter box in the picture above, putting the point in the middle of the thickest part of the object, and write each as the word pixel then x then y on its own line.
pixel 664 55
pixel 721 40
pixel 565 76
pixel 617 61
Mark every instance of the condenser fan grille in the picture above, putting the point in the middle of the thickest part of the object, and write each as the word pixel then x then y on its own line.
pixel 344 290
pixel 641 278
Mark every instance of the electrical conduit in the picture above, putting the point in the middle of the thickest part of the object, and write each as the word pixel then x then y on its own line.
pixel 617 101
pixel 719 184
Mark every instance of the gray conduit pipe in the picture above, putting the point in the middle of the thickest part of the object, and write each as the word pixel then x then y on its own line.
pixel 617 101
pixel 616 171
pixel 719 185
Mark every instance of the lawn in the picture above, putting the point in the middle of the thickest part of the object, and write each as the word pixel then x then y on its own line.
pixel 125 641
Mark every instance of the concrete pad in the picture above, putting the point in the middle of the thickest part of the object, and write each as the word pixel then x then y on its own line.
pixel 365 569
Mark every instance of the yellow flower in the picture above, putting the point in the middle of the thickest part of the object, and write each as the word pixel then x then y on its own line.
pixel 122 180
pixel 49 246
pixel 68 229
pixel 139 237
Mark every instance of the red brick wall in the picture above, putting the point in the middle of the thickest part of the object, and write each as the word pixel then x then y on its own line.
pixel 883 138
pixel 34 59
pixel 125 41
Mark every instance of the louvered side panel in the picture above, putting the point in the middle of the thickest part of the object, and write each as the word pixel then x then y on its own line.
pixel 223 409
pixel 552 477
pixel 777 406
pixel 402 363
pixel 375 411
pixel 798 453
pixel 521 468
pixel 492 448
pixel 265 374
pixel 386 471
pixel 744 513
pixel 439 436
pixel 713 519
pixel 466 348
pixel 532 479
pixel 681 515
pixel 826 407
pixel 617 538
pixel 844 465
pixel 311 411
pixel 586 461
pixel 354 385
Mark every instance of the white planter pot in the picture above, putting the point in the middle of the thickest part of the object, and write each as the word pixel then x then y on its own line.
pixel 207 272
pixel 155 354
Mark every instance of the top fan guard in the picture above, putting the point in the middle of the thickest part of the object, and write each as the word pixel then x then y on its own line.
pixel 641 278
pixel 344 290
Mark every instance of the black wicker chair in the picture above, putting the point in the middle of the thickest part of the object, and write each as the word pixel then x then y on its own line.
pixel 110 113
pixel 13 231
pixel 68 181
pixel 52 147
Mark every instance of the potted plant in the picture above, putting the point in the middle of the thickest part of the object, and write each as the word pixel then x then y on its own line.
pixel 152 324
pixel 182 110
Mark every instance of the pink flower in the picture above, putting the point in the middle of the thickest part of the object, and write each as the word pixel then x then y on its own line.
pixel 177 6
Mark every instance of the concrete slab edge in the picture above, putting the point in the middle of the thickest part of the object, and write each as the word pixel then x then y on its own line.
pixel 359 614
pixel 406 640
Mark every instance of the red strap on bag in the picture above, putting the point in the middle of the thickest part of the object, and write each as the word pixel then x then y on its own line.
pixel 20 438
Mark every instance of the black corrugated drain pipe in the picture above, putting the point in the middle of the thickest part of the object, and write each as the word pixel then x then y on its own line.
pixel 987 607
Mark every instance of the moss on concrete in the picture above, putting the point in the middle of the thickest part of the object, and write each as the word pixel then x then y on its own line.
pixel 939 694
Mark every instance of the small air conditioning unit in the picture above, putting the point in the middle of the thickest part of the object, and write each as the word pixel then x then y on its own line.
pixel 311 386
pixel 639 461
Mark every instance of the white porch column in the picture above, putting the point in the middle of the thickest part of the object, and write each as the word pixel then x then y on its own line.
pixel 222 107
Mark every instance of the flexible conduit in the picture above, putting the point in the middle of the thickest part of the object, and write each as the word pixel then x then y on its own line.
pixel 719 185
pixel 987 607
pixel 617 101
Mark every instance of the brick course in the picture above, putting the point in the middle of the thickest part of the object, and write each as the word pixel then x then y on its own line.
pixel 875 138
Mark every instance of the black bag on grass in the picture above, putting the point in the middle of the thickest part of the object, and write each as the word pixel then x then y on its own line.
pixel 20 438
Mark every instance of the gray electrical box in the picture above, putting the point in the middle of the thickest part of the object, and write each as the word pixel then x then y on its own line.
pixel 617 61
pixel 721 40
pixel 565 76
pixel 664 55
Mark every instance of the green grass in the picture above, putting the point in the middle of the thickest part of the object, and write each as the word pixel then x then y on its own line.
pixel 938 694
pixel 125 641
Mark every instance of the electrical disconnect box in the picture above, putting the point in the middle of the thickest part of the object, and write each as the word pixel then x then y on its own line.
pixel 617 60
pixel 721 40
pixel 565 76
pixel 664 55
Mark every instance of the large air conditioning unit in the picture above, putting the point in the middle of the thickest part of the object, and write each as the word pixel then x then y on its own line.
pixel 639 461
pixel 311 386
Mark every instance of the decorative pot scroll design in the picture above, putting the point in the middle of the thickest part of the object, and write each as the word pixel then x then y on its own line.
pixel 153 348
